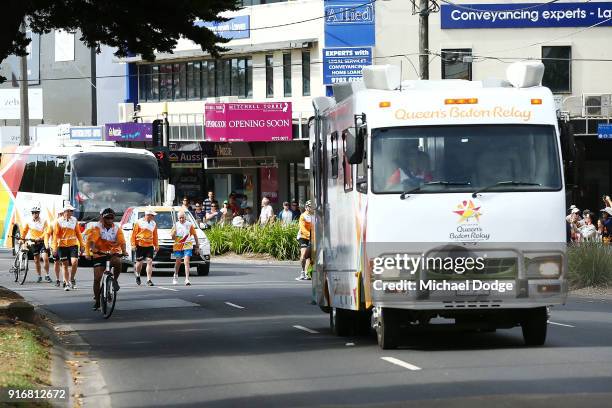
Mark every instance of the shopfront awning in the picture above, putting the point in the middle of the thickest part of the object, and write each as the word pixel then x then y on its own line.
pixel 255 162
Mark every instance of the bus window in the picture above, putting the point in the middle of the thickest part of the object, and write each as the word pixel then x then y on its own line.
pixel 29 173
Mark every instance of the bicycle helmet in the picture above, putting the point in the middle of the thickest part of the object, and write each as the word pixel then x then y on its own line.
pixel 35 208
pixel 107 212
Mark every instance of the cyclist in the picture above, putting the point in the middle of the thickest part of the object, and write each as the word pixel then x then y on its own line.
pixel 144 239
pixel 48 244
pixel 67 240
pixel 35 229
pixel 105 236
pixel 303 238
pixel 182 234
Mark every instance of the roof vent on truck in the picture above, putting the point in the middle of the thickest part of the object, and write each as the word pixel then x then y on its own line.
pixel 385 77
pixel 525 74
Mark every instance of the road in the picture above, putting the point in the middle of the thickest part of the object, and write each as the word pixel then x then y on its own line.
pixel 248 336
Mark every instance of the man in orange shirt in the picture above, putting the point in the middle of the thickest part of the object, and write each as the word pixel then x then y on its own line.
pixel 106 237
pixel 144 240
pixel 303 237
pixel 49 245
pixel 67 240
pixel 35 229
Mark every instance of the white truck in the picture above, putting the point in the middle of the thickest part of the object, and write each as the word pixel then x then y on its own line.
pixel 438 199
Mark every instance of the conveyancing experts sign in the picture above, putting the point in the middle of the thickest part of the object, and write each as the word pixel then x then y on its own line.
pixel 526 15
pixel 345 64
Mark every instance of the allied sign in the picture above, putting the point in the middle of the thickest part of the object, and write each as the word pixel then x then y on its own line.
pixel 349 23
pixel 234 28
pixel 604 131
pixel 345 64
pixel 129 132
pixel 526 15
pixel 86 133
pixel 248 122
pixel 10 103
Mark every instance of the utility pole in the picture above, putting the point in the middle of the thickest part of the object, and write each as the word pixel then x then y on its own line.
pixel 23 103
pixel 424 39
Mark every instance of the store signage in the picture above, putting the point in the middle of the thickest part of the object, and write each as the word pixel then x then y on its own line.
pixel 349 23
pixel 526 15
pixel 604 131
pixel 248 122
pixel 345 64
pixel 234 28
pixel 86 133
pixel 129 132
pixel 186 159
pixel 10 103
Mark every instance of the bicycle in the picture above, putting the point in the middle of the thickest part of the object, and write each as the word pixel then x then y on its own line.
pixel 108 294
pixel 21 264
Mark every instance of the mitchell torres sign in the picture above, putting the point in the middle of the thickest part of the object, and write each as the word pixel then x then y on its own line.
pixel 248 122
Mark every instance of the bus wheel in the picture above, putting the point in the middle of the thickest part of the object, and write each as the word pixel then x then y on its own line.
pixel 340 321
pixel 534 326
pixel 386 329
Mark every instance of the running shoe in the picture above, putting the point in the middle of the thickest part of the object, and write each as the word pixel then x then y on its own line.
pixel 149 283
pixel 66 286
pixel 48 279
pixel 58 283
pixel 174 280
pixel 187 283
pixel 138 280
pixel 96 306
pixel 39 279
pixel 73 283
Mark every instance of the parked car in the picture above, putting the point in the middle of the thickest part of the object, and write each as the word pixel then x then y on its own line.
pixel 166 217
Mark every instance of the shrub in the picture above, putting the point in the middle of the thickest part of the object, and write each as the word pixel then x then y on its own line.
pixel 590 264
pixel 275 239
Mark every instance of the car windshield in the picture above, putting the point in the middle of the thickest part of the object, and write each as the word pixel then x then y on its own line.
pixel 165 219
pixel 118 181
pixel 436 159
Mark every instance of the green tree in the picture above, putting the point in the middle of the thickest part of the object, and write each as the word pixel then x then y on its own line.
pixel 132 26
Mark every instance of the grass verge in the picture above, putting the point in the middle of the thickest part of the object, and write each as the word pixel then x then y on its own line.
pixel 590 265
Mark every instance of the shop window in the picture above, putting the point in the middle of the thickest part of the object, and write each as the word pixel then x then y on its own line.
pixel 347 168
pixel 193 80
pixel 269 76
pixel 179 81
pixel 306 73
pixel 334 155
pixel 287 74
pixel 144 82
pixel 154 83
pixel 557 62
pixel 457 63
pixel 165 81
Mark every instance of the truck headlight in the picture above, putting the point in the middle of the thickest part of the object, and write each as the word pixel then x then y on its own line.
pixel 550 269
pixel 544 267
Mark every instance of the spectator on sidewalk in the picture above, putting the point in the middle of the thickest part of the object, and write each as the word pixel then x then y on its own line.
pixel 185 206
pixel 226 213
pixel 206 204
pixel 588 232
pixel 249 217
pixel 267 213
pixel 198 213
pixel 213 217
pixel 285 216
pixel 295 209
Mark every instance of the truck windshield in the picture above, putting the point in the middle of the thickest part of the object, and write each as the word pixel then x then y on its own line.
pixel 115 180
pixel 442 159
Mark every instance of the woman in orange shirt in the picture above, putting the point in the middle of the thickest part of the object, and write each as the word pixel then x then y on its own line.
pixel 67 240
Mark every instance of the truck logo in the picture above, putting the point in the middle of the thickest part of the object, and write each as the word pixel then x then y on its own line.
pixel 468 211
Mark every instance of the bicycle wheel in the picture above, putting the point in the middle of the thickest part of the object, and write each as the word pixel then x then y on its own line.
pixel 103 301
pixel 15 267
pixel 23 267
pixel 111 296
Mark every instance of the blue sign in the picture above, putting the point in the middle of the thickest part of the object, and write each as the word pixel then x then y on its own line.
pixel 604 131
pixel 86 132
pixel 345 64
pixel 234 28
pixel 526 15
pixel 349 23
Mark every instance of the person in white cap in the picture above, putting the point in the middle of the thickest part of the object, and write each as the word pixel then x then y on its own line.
pixel 35 229
pixel 303 237
pixel 49 244
pixel 607 224
pixel 67 240
pixel 144 239
pixel 183 233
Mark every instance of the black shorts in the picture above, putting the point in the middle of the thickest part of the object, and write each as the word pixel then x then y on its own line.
pixel 304 243
pixel 38 248
pixel 143 253
pixel 65 253
pixel 99 262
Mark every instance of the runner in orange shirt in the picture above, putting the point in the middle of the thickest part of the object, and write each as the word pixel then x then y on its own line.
pixel 144 240
pixel 104 236
pixel 35 229
pixel 67 240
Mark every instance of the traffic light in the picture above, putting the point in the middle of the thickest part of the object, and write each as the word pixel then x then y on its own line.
pixel 158 132
pixel 163 161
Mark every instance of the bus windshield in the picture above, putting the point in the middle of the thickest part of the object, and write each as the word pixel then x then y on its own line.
pixel 115 180
pixel 443 159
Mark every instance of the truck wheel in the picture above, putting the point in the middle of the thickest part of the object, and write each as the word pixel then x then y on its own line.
pixel 387 329
pixel 363 323
pixel 204 269
pixel 534 325
pixel 340 321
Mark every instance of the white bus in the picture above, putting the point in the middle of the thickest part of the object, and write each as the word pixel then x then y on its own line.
pixel 438 200
pixel 89 176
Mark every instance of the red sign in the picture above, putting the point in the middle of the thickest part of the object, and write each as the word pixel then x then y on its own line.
pixel 248 122
pixel 268 178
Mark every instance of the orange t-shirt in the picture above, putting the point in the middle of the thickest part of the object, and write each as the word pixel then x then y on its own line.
pixel 144 234
pixel 104 240
pixel 67 233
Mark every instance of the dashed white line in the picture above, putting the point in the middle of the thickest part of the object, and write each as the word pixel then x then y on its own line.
pixel 161 287
pixel 401 363
pixel 199 295
pixel 234 305
pixel 306 329
pixel 560 324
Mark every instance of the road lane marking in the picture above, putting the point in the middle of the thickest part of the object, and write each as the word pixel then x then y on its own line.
pixel 306 329
pixel 560 324
pixel 161 287
pixel 401 363
pixel 199 295
pixel 349 344
pixel 234 305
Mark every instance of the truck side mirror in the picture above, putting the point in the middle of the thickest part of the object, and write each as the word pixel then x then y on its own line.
pixel 170 194
pixel 66 191
pixel 354 145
